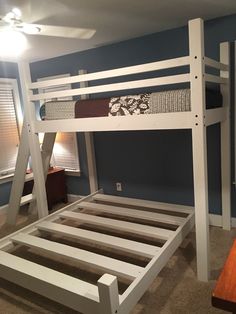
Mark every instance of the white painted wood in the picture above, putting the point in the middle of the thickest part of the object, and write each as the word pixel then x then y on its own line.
pixel 159 81
pixel 113 242
pixel 196 47
pixel 29 177
pixel 143 203
pixel 215 64
pixel 114 224
pixel 137 288
pixel 52 284
pixel 46 154
pixel 108 294
pixel 225 142
pixel 34 146
pixel 92 171
pixel 19 177
pixel 159 121
pixel 141 68
pixel 216 79
pixel 134 213
pixel 103 263
pixel 89 143
pixel 4 242
pixel 26 199
pixel 215 116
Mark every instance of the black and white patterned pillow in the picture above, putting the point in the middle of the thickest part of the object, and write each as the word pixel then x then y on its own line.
pixel 129 105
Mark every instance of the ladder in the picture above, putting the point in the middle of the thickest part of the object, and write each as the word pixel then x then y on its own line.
pixel 40 157
pixel 30 148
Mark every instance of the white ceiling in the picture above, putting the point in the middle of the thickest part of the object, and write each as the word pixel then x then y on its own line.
pixel 114 20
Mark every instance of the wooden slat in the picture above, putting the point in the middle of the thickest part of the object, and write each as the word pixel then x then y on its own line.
pixel 160 121
pixel 215 64
pixel 6 242
pixel 137 288
pixel 141 68
pixel 26 199
pixel 215 115
pixel 215 79
pixel 127 212
pixel 159 81
pixel 224 294
pixel 139 229
pixel 144 203
pixel 52 284
pixel 99 238
pixel 107 264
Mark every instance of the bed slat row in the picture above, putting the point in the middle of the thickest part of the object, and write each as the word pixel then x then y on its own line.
pixel 76 293
pixel 109 241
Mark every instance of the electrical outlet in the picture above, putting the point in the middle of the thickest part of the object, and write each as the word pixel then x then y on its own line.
pixel 118 186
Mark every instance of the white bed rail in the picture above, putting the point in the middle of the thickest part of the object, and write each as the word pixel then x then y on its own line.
pixel 129 84
pixel 102 297
pixel 136 69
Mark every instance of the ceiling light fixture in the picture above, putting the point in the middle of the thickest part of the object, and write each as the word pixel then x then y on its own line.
pixel 12 43
pixel 31 29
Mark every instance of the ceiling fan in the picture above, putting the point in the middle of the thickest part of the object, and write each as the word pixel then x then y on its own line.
pixel 12 21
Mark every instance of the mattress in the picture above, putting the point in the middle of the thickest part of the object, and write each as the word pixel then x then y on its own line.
pixel 148 103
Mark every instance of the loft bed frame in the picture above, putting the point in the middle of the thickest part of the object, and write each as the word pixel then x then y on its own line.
pixel 105 297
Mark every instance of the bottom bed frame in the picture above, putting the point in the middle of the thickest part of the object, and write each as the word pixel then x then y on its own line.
pixel 146 233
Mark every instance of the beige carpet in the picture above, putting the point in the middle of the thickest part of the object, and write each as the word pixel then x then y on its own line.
pixel 175 290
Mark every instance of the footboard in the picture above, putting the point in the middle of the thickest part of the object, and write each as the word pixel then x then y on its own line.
pixel 127 241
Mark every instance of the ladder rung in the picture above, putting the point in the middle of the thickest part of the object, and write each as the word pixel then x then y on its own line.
pixel 107 264
pixel 135 228
pixel 29 177
pixel 26 199
pixel 135 213
pixel 130 246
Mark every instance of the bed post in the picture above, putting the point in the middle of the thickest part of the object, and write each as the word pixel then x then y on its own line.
pixel 89 143
pixel 108 294
pixel 34 146
pixel 199 143
pixel 19 176
pixel 225 143
pixel 46 153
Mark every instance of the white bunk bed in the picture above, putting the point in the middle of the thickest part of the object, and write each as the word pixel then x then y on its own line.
pixel 132 216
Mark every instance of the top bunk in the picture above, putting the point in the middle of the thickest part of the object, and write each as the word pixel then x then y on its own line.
pixel 173 108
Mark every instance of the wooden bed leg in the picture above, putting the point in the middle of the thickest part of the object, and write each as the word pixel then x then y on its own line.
pixel 47 148
pixel 19 177
pixel 34 146
pixel 197 71
pixel 92 171
pixel 225 143
pixel 108 294
pixel 89 143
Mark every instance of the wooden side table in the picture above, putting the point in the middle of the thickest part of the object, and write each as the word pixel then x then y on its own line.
pixel 55 187
pixel 224 294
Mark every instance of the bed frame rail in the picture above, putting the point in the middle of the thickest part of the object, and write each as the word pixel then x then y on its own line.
pixel 102 212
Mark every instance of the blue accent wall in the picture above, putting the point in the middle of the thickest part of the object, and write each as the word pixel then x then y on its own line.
pixel 7 70
pixel 155 165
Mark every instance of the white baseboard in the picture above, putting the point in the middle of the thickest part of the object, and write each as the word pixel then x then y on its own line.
pixel 216 220
pixel 3 209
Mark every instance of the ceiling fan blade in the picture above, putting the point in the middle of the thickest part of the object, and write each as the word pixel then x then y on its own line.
pixel 61 31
